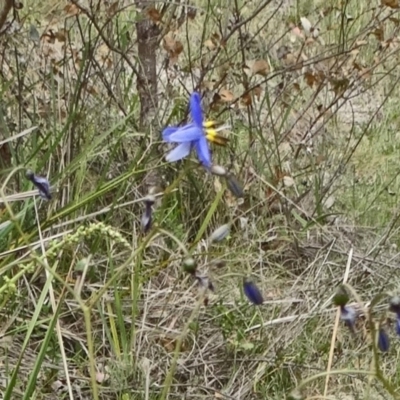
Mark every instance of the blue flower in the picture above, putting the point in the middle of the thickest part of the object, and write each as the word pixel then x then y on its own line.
pixel 189 136
pixel 252 292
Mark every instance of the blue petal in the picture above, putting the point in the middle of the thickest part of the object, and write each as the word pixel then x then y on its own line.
pixel 195 109
pixel 167 132
pixel 179 152
pixel 203 151
pixel 187 133
pixel 252 292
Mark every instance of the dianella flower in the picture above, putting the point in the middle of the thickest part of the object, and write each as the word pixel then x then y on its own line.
pixel 42 184
pixel 193 135
pixel 211 128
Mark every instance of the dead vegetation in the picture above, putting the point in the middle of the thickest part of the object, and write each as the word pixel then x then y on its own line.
pixel 90 306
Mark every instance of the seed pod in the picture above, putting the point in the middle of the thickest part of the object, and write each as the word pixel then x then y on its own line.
pixel 341 297
pixel 189 265
pixel 296 395
pixel 220 233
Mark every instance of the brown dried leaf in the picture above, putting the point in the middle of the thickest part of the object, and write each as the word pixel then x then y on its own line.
pixel 390 3
pixel 154 14
pixel 72 9
pixel 215 37
pixel 297 32
pixel 340 85
pixel 91 89
pixel 246 99
pixel 210 44
pixel 226 95
pixel 366 74
pixel 191 12
pixel 257 92
pixel 61 35
pixel 48 37
pixel 173 47
pixel 112 10
pixel 278 175
pixel 260 67
pixel 290 59
pixel 309 77
pixel 379 34
pixel 296 87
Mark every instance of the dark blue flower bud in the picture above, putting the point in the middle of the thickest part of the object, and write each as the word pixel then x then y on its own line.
pixel 147 217
pixel 252 292
pixel 42 184
pixel 383 340
pixel 234 185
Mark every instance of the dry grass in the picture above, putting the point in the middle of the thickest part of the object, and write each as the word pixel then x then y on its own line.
pixel 90 307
